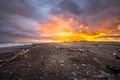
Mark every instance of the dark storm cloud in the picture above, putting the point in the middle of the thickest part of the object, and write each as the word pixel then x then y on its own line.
pixel 22 18
pixel 70 6
pixel 82 7
pixel 15 7
pixel 18 18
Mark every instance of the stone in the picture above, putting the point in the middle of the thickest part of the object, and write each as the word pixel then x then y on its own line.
pixel 83 65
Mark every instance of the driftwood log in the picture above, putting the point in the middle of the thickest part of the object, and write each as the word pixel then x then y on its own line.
pixel 5 61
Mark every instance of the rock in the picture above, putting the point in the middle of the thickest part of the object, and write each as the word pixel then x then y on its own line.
pixel 87 73
pixel 10 72
pixel 41 57
pixel 84 79
pixel 75 64
pixel 20 79
pixel 41 78
pixel 74 73
pixel 75 79
pixel 83 65
pixel 116 56
pixel 45 73
pixel 80 50
pixel 29 65
pixel 62 64
pixel 61 61
pixel 77 67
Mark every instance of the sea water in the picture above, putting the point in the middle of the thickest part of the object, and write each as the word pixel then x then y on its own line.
pixel 4 45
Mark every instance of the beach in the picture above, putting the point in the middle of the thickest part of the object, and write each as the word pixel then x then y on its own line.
pixel 60 61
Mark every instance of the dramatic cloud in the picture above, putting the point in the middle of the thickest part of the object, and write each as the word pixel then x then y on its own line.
pixel 22 20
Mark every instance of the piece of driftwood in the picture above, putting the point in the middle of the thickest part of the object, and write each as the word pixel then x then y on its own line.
pixel 5 61
pixel 114 68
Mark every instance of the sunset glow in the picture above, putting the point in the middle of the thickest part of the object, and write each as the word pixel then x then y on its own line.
pixel 62 30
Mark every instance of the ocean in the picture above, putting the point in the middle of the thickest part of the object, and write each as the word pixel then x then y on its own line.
pixel 4 45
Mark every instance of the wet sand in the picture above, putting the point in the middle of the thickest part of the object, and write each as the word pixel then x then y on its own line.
pixel 61 61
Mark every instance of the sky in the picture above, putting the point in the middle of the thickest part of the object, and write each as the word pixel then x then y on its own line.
pixel 32 20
